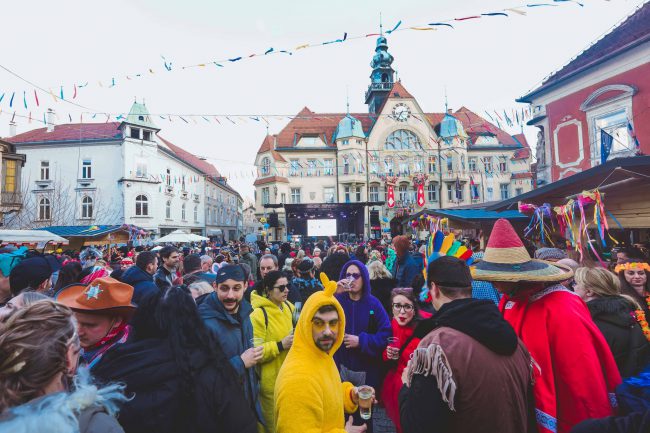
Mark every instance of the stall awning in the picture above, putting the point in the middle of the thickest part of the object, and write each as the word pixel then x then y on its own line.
pixel 605 176
pixel 82 231
pixel 479 214
pixel 30 237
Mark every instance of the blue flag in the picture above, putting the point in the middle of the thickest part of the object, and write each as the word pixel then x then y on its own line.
pixel 606 141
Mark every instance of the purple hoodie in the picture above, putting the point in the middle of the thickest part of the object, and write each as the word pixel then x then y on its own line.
pixel 367 319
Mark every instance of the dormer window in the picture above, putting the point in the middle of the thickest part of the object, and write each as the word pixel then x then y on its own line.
pixel 146 135
pixel 141 118
pixel 135 133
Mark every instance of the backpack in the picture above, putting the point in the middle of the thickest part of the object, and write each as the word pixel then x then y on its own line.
pixel 266 315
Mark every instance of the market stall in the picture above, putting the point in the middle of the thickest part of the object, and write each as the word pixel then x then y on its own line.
pixel 34 238
pixel 99 235
pixel 596 209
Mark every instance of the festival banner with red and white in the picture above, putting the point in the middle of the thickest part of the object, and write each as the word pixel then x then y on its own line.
pixel 391 195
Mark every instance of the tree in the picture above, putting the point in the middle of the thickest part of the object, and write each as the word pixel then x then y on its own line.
pixel 60 204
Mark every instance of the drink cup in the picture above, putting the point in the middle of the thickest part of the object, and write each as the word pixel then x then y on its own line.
pixel 365 401
pixel 393 347
pixel 256 341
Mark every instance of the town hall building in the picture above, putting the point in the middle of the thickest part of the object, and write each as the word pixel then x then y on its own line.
pixel 370 170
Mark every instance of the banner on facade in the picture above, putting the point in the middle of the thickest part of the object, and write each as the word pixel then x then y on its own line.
pixel 391 195
pixel 420 199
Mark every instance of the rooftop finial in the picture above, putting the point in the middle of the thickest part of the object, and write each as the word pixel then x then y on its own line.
pixel 381 26
pixel 347 99
pixel 446 102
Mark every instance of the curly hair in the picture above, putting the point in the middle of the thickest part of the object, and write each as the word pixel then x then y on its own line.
pixel 269 281
pixel 33 350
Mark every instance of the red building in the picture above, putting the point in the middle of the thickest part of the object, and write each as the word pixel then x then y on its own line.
pixel 604 88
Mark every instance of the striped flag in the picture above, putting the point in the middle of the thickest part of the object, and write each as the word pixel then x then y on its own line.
pixel 637 145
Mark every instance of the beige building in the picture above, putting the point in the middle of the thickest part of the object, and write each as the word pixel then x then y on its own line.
pixel 356 158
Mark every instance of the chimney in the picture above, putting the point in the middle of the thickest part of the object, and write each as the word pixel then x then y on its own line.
pixel 12 129
pixel 50 120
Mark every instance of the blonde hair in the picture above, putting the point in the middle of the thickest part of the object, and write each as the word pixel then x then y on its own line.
pixel 601 282
pixel 377 270
pixel 202 287
pixel 33 350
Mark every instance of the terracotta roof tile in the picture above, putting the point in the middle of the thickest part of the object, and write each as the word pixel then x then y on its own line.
pixel 270 179
pixel 521 138
pixel 70 132
pixel 476 126
pixel 398 91
pixel 191 159
pixel 267 146
pixel 306 122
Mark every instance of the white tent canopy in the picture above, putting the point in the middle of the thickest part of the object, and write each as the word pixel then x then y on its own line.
pixel 30 237
pixel 181 237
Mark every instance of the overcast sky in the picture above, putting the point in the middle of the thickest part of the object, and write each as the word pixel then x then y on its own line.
pixel 483 64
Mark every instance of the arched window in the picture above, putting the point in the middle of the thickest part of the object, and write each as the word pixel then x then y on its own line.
pixel 168 210
pixel 141 205
pixel 44 209
pixel 266 166
pixel 183 212
pixel 403 139
pixel 196 213
pixel 86 207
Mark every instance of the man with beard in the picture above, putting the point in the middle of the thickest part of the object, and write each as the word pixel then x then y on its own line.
pixel 227 315
pixel 309 393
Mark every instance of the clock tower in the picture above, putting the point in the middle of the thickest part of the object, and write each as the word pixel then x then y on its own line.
pixel 382 76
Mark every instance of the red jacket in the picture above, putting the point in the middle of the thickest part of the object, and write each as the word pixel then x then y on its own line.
pixel 575 372
pixel 393 381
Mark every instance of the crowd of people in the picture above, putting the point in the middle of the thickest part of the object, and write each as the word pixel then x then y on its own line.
pixel 321 336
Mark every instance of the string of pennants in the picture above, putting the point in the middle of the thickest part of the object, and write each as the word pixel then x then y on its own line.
pixel 511 117
pixel 30 98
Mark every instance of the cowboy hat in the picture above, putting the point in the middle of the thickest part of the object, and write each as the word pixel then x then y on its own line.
pixel 507 260
pixel 102 296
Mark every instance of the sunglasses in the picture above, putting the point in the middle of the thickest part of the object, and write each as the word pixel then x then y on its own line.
pixel 282 287
pixel 354 276
pixel 406 307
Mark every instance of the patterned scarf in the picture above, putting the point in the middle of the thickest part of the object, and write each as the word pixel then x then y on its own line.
pixel 117 335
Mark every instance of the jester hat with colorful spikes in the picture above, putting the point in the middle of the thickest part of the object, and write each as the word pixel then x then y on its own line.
pixel 439 246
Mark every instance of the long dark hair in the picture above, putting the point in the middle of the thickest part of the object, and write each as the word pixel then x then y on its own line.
pixel 269 281
pixel 174 317
pixel 68 274
pixel 627 289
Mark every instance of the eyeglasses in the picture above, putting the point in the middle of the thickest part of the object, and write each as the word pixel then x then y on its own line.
pixel 281 287
pixel 354 276
pixel 406 307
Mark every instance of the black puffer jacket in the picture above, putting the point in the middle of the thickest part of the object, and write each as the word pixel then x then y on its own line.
pixel 613 316
pixel 159 405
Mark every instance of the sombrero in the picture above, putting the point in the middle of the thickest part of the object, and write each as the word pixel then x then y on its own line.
pixel 102 296
pixel 506 259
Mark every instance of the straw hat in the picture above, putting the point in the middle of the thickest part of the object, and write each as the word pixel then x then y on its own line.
pixel 102 296
pixel 506 259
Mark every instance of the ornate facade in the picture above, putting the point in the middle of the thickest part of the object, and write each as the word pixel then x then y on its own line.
pixel 397 158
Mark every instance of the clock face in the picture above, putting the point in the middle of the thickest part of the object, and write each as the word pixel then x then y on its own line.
pixel 401 112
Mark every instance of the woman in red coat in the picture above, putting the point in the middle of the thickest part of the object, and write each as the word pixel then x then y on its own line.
pixel 398 352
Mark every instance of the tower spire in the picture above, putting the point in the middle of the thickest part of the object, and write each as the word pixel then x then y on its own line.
pixel 381 26
pixel 446 102
pixel 347 99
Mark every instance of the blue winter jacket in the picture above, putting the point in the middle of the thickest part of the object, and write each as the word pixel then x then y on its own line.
pixel 234 338
pixel 141 281
pixel 367 319
pixel 407 268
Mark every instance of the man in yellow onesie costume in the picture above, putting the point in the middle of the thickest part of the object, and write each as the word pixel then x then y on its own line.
pixel 309 394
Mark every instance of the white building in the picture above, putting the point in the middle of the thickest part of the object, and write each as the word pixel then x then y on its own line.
pixel 110 173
